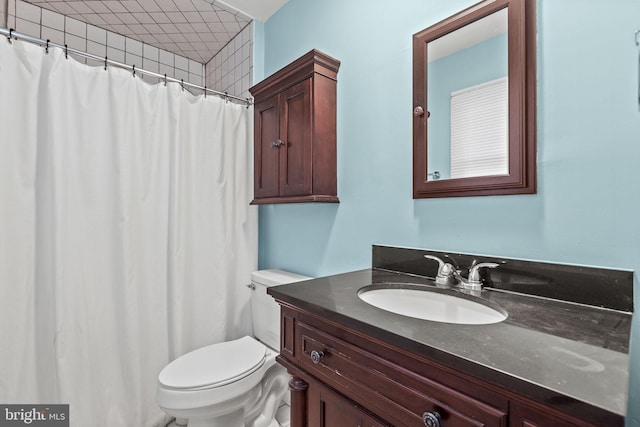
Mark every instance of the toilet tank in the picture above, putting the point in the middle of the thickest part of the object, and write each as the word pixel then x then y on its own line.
pixel 264 309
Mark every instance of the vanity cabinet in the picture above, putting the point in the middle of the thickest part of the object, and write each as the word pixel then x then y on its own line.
pixel 360 380
pixel 295 132
pixel 347 377
pixel 330 409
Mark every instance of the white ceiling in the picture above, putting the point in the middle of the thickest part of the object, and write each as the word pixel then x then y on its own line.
pixel 196 29
pixel 257 9
pixel 469 35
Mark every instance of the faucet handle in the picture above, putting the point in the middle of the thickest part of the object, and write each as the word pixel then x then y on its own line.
pixel 445 270
pixel 438 260
pixel 474 274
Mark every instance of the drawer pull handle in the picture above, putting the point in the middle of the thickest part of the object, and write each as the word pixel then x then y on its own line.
pixel 316 356
pixel 431 419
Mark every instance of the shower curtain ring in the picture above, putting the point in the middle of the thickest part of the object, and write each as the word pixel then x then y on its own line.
pixel 134 71
pixel 10 35
pixel 182 84
pixel 66 52
pixel 105 63
pixel 165 79
pixel 226 96
pixel 46 49
pixel 205 92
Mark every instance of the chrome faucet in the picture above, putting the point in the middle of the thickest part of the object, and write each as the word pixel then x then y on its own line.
pixel 450 275
pixel 446 272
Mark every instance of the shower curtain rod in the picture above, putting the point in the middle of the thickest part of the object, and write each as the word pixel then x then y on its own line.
pixel 11 34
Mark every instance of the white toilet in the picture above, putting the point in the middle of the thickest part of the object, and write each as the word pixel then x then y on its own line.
pixel 235 383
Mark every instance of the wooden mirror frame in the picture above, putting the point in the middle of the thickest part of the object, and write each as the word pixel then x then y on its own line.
pixel 522 104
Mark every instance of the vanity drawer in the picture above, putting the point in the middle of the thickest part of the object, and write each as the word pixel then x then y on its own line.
pixel 395 393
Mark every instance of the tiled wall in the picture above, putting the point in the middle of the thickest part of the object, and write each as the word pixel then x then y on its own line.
pixel 231 69
pixel 3 24
pixel 44 24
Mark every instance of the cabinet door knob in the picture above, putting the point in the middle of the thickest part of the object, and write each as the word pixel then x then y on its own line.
pixel 431 419
pixel 419 112
pixel 277 144
pixel 316 356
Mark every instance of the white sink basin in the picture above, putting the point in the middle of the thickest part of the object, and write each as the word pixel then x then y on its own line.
pixel 434 306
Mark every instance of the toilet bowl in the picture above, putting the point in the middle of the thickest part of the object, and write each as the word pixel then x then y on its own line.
pixel 234 383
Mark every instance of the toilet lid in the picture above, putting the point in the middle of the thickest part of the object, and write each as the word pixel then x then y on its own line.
pixel 215 365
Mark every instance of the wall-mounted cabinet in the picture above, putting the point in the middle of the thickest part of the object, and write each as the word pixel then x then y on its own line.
pixel 295 132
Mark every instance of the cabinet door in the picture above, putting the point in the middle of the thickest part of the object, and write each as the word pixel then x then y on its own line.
pixel 295 132
pixel 334 410
pixel 267 151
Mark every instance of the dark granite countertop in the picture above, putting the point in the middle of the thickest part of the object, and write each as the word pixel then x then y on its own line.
pixel 569 355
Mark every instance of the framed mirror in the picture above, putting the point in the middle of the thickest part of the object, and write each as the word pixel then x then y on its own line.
pixel 474 102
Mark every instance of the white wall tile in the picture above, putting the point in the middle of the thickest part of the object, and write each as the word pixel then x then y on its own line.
pixel 181 74
pixel 97 41
pixel 131 59
pixel 230 70
pixel 52 20
pixel 167 58
pixel 28 12
pixel 96 48
pixel 3 24
pixel 75 27
pixel 133 46
pixel 247 34
pixel 65 9
pixel 246 72
pixel 112 18
pixel 96 34
pixel 195 79
pixel 75 42
pixel 150 65
pixel 115 41
pixel 166 69
pixel 81 7
pixel 27 27
pixel 99 7
pixel 246 51
pixel 53 35
pixel 151 52
pixel 182 63
pixel 195 67
pixel 115 54
pixel 115 6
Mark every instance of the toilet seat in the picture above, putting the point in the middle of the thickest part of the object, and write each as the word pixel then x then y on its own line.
pixel 215 365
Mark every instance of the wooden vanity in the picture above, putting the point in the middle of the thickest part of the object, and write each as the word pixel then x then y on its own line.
pixel 351 376
pixel 355 365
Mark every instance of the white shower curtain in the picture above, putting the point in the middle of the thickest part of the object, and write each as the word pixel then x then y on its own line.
pixel 126 236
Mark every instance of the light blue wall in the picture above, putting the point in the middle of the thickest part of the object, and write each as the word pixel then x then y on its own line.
pixel 588 202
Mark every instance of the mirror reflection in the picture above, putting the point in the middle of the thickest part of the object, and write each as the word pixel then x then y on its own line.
pixel 468 100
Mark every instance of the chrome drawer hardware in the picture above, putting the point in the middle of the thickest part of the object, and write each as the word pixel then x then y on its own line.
pixel 431 419
pixel 316 356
